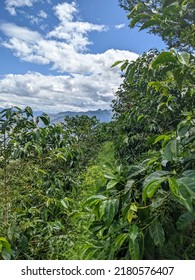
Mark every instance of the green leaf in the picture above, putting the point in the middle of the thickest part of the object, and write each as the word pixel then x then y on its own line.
pixel 133 207
pixel 111 184
pixel 167 153
pixel 189 174
pixel 124 65
pixel 3 239
pixel 135 170
pixel 110 176
pixel 102 208
pixel 29 112
pixel 149 23
pixel 38 149
pixel 137 18
pixel 108 209
pixel 181 193
pixel 65 203
pixel 151 187
pixel 166 3
pixel 45 119
pixel 128 186
pixel 130 73
pixel 183 130
pixel 157 233
pixel 164 58
pixel 161 137
pixel 155 85
pixel 173 146
pixel 185 220
pixel 187 187
pixel 173 186
pixel 95 199
pixel 134 249
pixel 120 240
pixel 130 215
pixel 133 232
pixel 116 63
pixel 5 244
pixel 135 9
pixel 184 58
pixel 5 254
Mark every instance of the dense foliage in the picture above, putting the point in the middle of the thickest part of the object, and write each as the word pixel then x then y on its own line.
pixel 82 189
pixel 39 169
pixel 173 20
pixel 145 210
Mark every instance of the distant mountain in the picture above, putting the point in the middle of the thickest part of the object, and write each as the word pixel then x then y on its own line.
pixel 102 115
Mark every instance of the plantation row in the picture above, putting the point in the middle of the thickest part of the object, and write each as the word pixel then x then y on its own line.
pixel 120 190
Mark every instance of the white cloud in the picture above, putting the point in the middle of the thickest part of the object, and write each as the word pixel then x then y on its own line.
pixel 21 33
pixel 12 5
pixel 90 83
pixel 42 14
pixel 65 12
pixel 120 26
pixel 73 32
pixel 73 92
pixel 35 19
pixel 59 93
pixel 62 56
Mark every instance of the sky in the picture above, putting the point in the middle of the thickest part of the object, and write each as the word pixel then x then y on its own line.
pixel 56 55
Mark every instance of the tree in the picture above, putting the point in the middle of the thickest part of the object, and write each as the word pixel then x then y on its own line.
pixel 173 20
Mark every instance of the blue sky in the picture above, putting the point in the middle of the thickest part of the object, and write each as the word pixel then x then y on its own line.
pixel 56 55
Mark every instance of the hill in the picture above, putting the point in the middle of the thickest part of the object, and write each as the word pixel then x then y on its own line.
pixel 102 115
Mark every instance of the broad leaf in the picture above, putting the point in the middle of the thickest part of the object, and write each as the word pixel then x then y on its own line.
pixel 65 203
pixel 150 189
pixel 185 220
pixel 5 254
pixel 130 73
pixel 184 58
pixel 173 186
pixel 29 112
pixel 95 199
pixel 116 63
pixel 137 18
pixel 133 232
pixel 149 23
pixel 120 240
pixel 157 233
pixel 45 119
pixel 134 249
pixel 111 184
pixel 164 58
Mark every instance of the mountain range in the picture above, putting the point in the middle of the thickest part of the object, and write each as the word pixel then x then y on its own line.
pixel 102 115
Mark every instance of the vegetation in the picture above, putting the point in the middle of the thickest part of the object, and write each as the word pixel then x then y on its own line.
pixel 83 189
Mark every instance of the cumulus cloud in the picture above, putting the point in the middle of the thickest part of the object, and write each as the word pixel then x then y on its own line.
pixel 12 5
pixel 65 12
pixel 59 93
pixel 30 46
pixel 62 56
pixel 90 83
pixel 70 30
